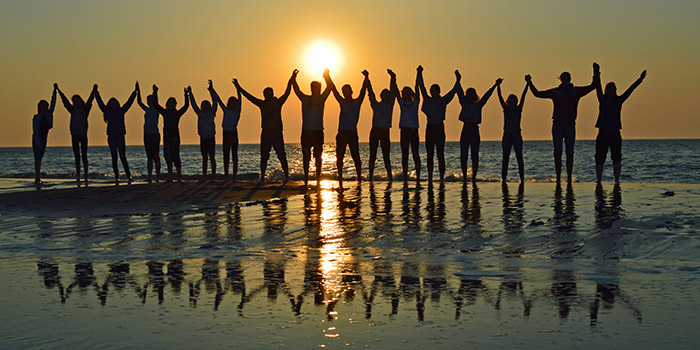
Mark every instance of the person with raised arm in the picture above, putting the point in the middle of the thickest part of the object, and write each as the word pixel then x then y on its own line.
pixel 171 131
pixel 79 111
pixel 565 98
pixel 435 108
pixel 512 135
pixel 470 116
pixel 409 101
pixel 42 122
pixel 382 112
pixel 312 107
pixel 609 125
pixel 114 114
pixel 151 135
pixel 271 123
pixel 206 128
pixel 347 124
pixel 232 114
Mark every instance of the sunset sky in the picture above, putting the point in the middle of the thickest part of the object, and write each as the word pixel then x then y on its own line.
pixel 175 43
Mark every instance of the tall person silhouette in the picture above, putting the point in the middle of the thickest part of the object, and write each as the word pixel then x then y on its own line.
pixel 409 101
pixel 232 115
pixel 312 107
pixel 565 98
pixel 609 125
pixel 470 115
pixel 206 128
pixel 114 114
pixel 79 111
pixel 151 135
pixel 512 134
pixel 42 122
pixel 347 125
pixel 434 108
pixel 171 131
pixel 271 122
pixel 382 112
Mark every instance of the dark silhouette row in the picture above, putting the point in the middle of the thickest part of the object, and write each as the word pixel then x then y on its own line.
pixel 565 98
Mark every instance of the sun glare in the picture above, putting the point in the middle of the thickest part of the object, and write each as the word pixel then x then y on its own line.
pixel 320 55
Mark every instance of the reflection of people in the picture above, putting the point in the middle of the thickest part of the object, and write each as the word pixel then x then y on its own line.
pixel 171 132
pixel 609 125
pixel 49 271
pixel 271 122
pixel 114 114
pixel 79 111
pixel 435 107
pixel 564 291
pixel 512 136
pixel 206 128
pixel 151 135
pixel 232 114
pixel 347 124
pixel 42 122
pixel 608 292
pixel 607 210
pixel 382 112
pixel 312 123
pixel 565 98
pixel 84 279
pixel 408 123
pixel 470 115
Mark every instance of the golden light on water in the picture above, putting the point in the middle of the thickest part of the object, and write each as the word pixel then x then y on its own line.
pixel 322 54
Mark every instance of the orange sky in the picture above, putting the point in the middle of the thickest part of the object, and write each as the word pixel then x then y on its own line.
pixel 175 43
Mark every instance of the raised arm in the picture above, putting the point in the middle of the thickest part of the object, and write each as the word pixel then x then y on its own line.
pixel 254 100
pixel 329 83
pixel 451 94
pixel 216 99
pixel 98 98
pixel 159 108
pixel 129 101
pixel 500 97
pixel 488 93
pixel 295 85
pixel 634 85
pixel 52 106
pixel 419 75
pixel 288 90
pixel 193 102
pixel 64 99
pixel 210 88
pixel 597 85
pixel 585 90
pixel 327 91
pixel 393 86
pixel 365 86
pixel 88 103
pixel 184 108
pixel 420 83
pixel 138 98
pixel 535 92
pixel 522 97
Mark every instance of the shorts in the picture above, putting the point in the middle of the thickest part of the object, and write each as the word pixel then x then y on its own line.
pixel 152 144
pixel 563 133
pixel 206 146
pixel 40 149
pixel 470 138
pixel 171 150
pixel 608 140
pixel 347 138
pixel 312 139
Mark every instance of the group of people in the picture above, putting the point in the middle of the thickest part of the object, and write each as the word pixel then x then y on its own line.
pixel 565 98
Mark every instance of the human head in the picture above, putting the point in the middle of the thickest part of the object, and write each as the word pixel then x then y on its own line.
pixel 610 89
pixel 407 93
pixel 112 103
pixel 315 87
pixel 150 101
pixel 471 95
pixel 232 102
pixel 268 93
pixel 171 103
pixel 435 90
pixel 42 107
pixel 77 101
pixel 385 95
pixel 512 101
pixel 347 91
pixel 205 106
pixel 565 77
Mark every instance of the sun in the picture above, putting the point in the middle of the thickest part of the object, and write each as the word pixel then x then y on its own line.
pixel 321 54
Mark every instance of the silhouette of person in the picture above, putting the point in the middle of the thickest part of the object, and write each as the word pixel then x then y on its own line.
pixel 382 112
pixel 206 128
pixel 42 122
pixel 434 108
pixel 79 111
pixel 151 135
pixel 408 124
pixel 470 115
pixel 347 124
pixel 271 123
pixel 232 114
pixel 512 135
pixel 171 131
pixel 609 125
pixel 312 123
pixel 565 98
pixel 116 129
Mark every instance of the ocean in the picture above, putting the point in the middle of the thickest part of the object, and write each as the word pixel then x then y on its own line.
pixel 644 161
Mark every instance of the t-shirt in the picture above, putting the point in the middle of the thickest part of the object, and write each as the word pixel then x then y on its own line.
pixel 312 112
pixel 565 99
pixel 271 115
pixel 471 112
pixel 150 121
pixel 171 122
pixel 511 120
pixel 435 109
pixel 231 119
pixel 382 113
pixel 409 114
pixel 349 114
pixel 206 128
